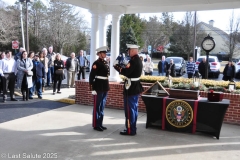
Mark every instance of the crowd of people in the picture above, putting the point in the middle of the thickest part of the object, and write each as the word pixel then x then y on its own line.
pixel 33 72
pixel 192 69
pixel 164 68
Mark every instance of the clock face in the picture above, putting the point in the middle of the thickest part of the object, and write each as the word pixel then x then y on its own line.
pixel 208 44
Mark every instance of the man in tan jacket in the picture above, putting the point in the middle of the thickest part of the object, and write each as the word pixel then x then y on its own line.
pixel 43 58
pixel 72 66
pixel 51 57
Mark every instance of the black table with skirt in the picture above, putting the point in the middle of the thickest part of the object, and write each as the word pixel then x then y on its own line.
pixel 205 116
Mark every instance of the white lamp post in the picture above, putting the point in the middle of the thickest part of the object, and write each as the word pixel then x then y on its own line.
pixel 21 16
pixel 27 36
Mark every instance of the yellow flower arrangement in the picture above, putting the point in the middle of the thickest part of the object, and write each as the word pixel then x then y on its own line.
pixel 176 80
pixel 186 80
pixel 205 84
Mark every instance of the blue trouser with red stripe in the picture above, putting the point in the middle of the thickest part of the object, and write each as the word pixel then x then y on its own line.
pixel 98 108
pixel 131 112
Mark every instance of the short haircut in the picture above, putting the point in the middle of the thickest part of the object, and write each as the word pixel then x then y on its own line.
pixel 21 49
pixel 44 49
pixel 7 51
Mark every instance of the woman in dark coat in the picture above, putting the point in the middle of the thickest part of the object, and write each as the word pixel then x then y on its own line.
pixel 58 66
pixel 171 69
pixel 201 68
pixel 229 72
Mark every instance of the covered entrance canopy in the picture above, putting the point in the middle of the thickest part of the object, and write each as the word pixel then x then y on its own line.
pixel 101 8
pixel 151 6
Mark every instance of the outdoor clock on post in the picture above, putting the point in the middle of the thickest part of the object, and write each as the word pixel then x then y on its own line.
pixel 208 44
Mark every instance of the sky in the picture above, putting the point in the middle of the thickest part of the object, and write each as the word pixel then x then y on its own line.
pixel 220 17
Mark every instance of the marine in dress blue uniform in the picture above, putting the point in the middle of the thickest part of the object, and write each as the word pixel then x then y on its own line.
pixel 132 88
pixel 99 85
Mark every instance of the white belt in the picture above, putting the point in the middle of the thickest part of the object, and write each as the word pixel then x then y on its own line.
pixel 101 77
pixel 134 79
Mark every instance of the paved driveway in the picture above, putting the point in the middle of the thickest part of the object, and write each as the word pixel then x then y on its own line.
pixel 66 134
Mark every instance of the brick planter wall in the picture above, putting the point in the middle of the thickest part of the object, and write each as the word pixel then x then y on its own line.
pixel 115 99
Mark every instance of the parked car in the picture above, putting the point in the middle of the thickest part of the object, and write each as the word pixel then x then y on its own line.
pixel 108 54
pixel 235 60
pixel 142 54
pixel 88 67
pixel 64 59
pixel 237 69
pixel 180 64
pixel 215 65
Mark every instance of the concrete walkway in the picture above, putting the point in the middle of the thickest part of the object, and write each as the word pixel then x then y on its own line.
pixel 66 133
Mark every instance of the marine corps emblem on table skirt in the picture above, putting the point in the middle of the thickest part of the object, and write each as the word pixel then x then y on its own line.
pixel 179 114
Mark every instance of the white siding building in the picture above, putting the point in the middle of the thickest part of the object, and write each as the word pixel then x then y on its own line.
pixel 220 38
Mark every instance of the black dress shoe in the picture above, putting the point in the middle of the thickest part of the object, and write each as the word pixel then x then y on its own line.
pixel 13 99
pixel 125 132
pixel 98 128
pixel 104 128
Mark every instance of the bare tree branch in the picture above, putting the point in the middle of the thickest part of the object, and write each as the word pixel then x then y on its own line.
pixel 232 43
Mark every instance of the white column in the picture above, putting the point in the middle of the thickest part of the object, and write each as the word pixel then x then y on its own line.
pixel 102 30
pixel 115 40
pixel 94 38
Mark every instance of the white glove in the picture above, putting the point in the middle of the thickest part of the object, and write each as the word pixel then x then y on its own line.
pixel 115 62
pixel 125 62
pixel 94 93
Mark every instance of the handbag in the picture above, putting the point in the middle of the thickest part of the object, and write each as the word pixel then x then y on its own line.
pixel 59 72
pixel 30 73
